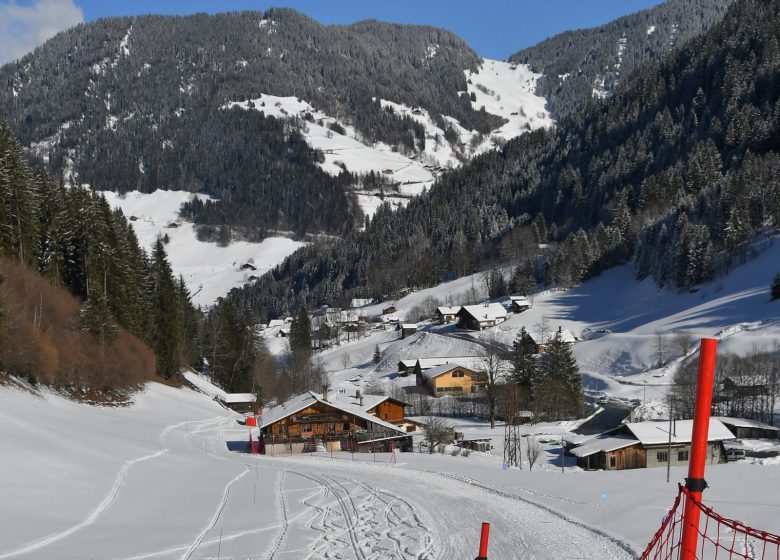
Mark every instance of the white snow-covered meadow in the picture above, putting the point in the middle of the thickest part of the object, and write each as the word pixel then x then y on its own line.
pixel 168 477
pixel 209 270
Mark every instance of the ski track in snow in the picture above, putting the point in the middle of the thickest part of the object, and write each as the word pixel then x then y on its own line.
pixel 217 514
pixel 377 525
pixel 107 501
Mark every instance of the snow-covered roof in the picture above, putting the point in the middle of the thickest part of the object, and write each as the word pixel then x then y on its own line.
pixel 409 326
pixel 485 312
pixel 470 362
pixel 520 300
pixel 654 433
pixel 275 323
pixel 565 334
pixel 441 370
pixel 233 398
pixel 745 423
pixel 361 302
pixel 301 402
pixel 603 443
pixel 448 310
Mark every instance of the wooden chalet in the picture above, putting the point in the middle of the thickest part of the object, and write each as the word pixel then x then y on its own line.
pixel 743 428
pixel 338 423
pixel 409 366
pixel 481 317
pixel 446 314
pixel 639 445
pixel 450 379
pixel 408 329
pixel 389 310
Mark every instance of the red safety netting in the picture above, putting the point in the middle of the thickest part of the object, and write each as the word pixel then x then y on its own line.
pixel 719 537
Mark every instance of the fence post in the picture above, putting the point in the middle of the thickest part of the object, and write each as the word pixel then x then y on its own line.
pixel 483 542
pixel 698 458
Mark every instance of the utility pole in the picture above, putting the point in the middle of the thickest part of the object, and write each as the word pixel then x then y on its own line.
pixel 669 446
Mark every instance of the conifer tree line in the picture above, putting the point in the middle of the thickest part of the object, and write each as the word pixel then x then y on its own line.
pixel 675 172
pixel 72 237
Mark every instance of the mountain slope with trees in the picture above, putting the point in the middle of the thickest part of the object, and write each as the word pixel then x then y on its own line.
pixel 584 64
pixel 137 103
pixel 674 171
pixel 98 303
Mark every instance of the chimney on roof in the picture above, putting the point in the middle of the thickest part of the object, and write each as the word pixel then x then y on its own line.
pixel 324 392
pixel 559 329
pixel 357 394
pixel 361 400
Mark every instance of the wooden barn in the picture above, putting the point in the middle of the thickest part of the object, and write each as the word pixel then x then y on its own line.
pixel 520 303
pixel 639 445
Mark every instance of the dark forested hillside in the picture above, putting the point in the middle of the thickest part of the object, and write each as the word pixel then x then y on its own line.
pixel 136 103
pixel 676 170
pixel 74 241
pixel 581 65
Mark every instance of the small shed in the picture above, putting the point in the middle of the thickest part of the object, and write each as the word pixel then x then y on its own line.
pixel 408 329
pixel 520 303
pixel 743 428
pixel 475 444
pixel 389 310
pixel 446 314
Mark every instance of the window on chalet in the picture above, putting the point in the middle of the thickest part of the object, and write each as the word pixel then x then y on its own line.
pixel 306 427
pixel 612 462
pixel 662 456
pixel 457 373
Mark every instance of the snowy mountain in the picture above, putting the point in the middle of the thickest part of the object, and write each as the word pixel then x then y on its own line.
pixel 586 65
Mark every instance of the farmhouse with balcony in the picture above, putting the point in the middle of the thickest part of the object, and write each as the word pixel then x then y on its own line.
pixel 481 317
pixel 639 445
pixel 450 379
pixel 343 422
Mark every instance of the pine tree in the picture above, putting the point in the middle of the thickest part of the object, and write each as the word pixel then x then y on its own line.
pixel 377 355
pixel 166 324
pixel 300 346
pixel 524 361
pixel 558 365
pixel 776 288
pixel 97 318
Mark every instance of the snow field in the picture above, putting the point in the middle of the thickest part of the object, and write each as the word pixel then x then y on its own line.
pixel 209 271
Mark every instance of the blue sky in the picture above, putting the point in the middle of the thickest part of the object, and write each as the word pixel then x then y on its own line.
pixel 494 28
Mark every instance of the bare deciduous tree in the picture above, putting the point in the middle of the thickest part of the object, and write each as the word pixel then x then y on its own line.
pixel 437 432
pixel 494 371
pixel 682 340
pixel 533 451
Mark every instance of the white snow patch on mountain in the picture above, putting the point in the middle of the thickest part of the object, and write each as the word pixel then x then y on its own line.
pixel 509 90
pixel 209 270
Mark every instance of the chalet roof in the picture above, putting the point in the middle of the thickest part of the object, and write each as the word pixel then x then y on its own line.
pixel 565 334
pixel 434 372
pixel 470 362
pixel 361 302
pixel 745 423
pixel 654 433
pixel 233 398
pixel 444 310
pixel 485 312
pixel 604 444
pixel 275 323
pixel 296 404
pixel 409 326
pixel 520 300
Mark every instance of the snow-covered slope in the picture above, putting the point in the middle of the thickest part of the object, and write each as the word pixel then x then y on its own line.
pixel 503 89
pixel 617 319
pixel 209 270
pixel 165 478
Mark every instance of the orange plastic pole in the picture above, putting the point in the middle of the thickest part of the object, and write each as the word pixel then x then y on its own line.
pixel 483 542
pixel 701 423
